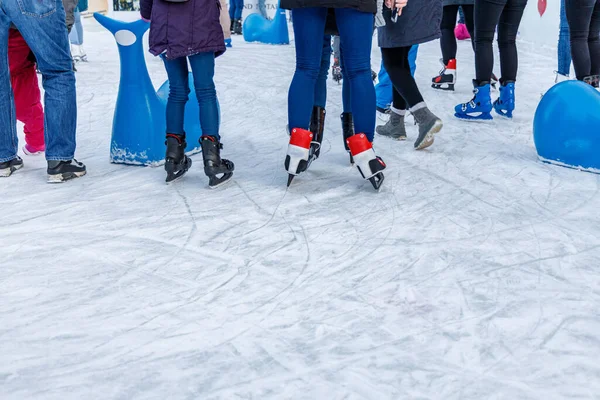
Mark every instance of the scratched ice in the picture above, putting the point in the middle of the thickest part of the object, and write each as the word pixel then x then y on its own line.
pixel 473 274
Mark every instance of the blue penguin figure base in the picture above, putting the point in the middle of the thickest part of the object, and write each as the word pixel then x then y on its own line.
pixel 139 122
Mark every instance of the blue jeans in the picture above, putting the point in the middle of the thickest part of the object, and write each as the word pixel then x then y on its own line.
pixel 76 35
pixel 203 71
pixel 384 88
pixel 321 86
pixel 262 8
pixel 356 33
pixel 235 9
pixel 564 43
pixel 42 24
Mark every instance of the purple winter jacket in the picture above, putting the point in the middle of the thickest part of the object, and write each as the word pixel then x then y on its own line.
pixel 184 29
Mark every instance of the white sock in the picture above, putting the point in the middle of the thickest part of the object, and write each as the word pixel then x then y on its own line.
pixel 395 110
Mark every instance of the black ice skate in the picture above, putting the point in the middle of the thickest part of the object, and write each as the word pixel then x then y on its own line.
pixel 60 171
pixel 298 153
pixel 369 165
pixel 218 170
pixel 8 167
pixel 348 131
pixel 237 26
pixel 176 162
pixel 317 125
pixel 447 77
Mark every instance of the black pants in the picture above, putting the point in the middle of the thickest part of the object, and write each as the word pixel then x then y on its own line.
pixel 448 40
pixel 506 14
pixel 584 23
pixel 406 93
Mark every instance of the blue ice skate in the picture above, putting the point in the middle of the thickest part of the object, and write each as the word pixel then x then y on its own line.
pixel 479 107
pixel 505 104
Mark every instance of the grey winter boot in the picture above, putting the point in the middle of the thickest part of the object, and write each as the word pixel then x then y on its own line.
pixel 428 123
pixel 394 127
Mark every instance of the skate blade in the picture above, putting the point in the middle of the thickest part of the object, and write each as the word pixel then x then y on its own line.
pixel 215 183
pixel 441 87
pixel 484 117
pixel 174 177
pixel 290 179
pixel 429 137
pixel 377 180
pixel 67 176
pixel 504 114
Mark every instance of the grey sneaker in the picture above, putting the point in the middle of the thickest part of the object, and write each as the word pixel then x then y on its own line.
pixel 428 123
pixel 393 128
pixel 8 167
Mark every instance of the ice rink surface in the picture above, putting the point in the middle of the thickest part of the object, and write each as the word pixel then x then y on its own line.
pixel 473 274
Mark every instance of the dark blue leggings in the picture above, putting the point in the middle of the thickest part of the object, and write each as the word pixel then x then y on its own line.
pixel 235 9
pixel 203 71
pixel 356 33
pixel 321 87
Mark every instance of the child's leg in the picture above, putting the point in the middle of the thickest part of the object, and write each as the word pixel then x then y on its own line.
pixel 232 4
pixel 179 90
pixel 203 69
pixel 239 8
pixel 28 107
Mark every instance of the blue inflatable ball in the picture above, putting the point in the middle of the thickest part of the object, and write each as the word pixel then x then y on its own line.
pixel 566 126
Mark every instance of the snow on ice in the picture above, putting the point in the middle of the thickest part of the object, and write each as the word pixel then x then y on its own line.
pixel 473 274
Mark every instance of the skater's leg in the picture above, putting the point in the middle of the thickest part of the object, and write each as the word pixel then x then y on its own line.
pixel 76 35
pixel 579 17
pixel 239 8
pixel 346 90
pixel 26 91
pixel 594 40
pixel 396 63
pixel 262 8
pixel 398 104
pixel 46 34
pixel 232 6
pixel 356 39
pixel 321 84
pixel 309 27
pixel 179 90
pixel 336 47
pixel 469 22
pixel 203 69
pixel 448 39
pixel 8 129
pixel 564 43
pixel 487 14
pixel 508 27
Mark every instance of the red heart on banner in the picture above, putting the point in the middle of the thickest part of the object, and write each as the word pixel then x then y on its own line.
pixel 542 7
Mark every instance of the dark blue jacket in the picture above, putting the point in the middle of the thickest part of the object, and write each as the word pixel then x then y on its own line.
pixel 419 23
pixel 184 29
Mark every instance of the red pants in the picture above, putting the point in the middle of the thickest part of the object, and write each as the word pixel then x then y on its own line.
pixel 26 89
